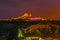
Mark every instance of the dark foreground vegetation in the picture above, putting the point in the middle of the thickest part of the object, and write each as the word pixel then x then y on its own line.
pixel 43 28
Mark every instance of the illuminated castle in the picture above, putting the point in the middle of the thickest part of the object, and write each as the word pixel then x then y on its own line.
pixel 26 15
pixel 29 16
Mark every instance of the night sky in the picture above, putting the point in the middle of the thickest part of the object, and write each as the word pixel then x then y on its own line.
pixel 49 9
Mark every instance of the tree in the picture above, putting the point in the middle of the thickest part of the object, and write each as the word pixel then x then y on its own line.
pixel 20 33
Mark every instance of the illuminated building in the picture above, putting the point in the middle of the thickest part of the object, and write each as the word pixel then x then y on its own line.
pixel 25 15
